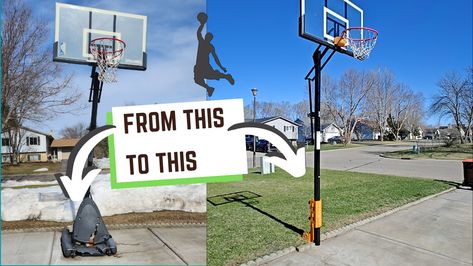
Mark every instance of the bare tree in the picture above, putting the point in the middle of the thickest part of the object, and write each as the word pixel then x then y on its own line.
pixel 415 116
pixel 343 100
pixel 16 141
pixel 248 111
pixel 467 105
pixel 449 101
pixel 380 102
pixel 300 111
pixel 268 109
pixel 34 88
pixel 76 131
pixel 406 104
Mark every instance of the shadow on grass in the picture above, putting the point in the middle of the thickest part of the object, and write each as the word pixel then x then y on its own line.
pixel 243 197
pixel 455 184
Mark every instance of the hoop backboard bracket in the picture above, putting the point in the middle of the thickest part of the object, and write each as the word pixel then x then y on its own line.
pixel 322 21
pixel 77 26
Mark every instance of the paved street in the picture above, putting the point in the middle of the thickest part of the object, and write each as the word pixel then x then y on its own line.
pixel 178 245
pixel 366 159
pixel 435 232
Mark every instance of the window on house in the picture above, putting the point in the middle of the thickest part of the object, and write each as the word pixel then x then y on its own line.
pixel 5 159
pixel 289 128
pixel 32 141
pixel 33 157
pixel 5 142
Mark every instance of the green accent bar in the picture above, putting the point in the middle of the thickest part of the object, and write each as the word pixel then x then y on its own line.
pixel 111 152
pixel 180 181
pixel 151 183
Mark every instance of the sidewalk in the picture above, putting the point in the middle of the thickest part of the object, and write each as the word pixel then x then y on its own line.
pixel 435 232
pixel 178 245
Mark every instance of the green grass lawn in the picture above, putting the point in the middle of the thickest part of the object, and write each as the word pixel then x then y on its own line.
pixel 238 232
pixel 28 168
pixel 456 152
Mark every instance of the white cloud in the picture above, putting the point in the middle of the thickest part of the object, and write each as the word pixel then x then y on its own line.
pixel 171 50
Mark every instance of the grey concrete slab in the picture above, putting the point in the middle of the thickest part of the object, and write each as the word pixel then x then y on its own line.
pixel 460 196
pixel 189 243
pixel 448 208
pixel 26 248
pixel 366 159
pixel 360 248
pixel 435 232
pixel 135 246
pixel 456 204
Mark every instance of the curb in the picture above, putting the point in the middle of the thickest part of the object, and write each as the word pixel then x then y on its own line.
pixel 278 254
pixel 394 158
pixel 109 227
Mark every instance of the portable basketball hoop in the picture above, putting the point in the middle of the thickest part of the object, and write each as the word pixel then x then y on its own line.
pixel 108 52
pixel 359 40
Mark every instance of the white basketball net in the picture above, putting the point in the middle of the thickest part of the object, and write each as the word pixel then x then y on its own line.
pixel 361 41
pixel 108 52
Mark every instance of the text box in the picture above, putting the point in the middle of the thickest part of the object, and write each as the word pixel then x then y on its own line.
pixel 181 143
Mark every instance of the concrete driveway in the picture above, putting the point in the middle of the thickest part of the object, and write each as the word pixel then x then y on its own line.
pixel 435 232
pixel 366 159
pixel 180 245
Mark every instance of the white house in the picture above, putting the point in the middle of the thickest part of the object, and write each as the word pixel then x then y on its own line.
pixel 289 128
pixel 34 146
pixel 328 131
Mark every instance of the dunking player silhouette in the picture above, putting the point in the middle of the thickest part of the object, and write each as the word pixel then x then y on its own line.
pixel 202 69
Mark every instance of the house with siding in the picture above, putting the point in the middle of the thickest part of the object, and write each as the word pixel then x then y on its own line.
pixel 329 131
pixel 62 148
pixel 289 128
pixel 34 146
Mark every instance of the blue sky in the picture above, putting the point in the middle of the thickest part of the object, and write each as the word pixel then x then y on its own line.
pixel 258 43
pixel 171 48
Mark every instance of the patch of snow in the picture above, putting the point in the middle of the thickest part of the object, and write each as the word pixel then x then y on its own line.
pixel 102 163
pixel 48 203
pixel 41 170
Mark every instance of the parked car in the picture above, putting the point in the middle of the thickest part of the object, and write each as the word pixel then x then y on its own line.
pixel 335 140
pixel 264 146
pixel 249 142
pixel 309 141
pixel 428 137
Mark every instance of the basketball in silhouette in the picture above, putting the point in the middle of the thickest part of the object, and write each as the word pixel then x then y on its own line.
pixel 202 17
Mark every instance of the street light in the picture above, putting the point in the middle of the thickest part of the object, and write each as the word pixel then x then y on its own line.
pixel 254 91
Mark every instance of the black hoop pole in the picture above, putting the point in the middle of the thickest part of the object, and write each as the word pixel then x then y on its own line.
pixel 317 57
pixel 315 75
pixel 311 114
pixel 94 97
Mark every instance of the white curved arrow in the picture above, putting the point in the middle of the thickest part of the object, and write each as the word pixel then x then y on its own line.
pixel 72 184
pixel 291 159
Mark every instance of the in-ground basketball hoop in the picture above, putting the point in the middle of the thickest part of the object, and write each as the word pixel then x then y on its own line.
pixel 108 52
pixel 359 40
pixel 337 26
